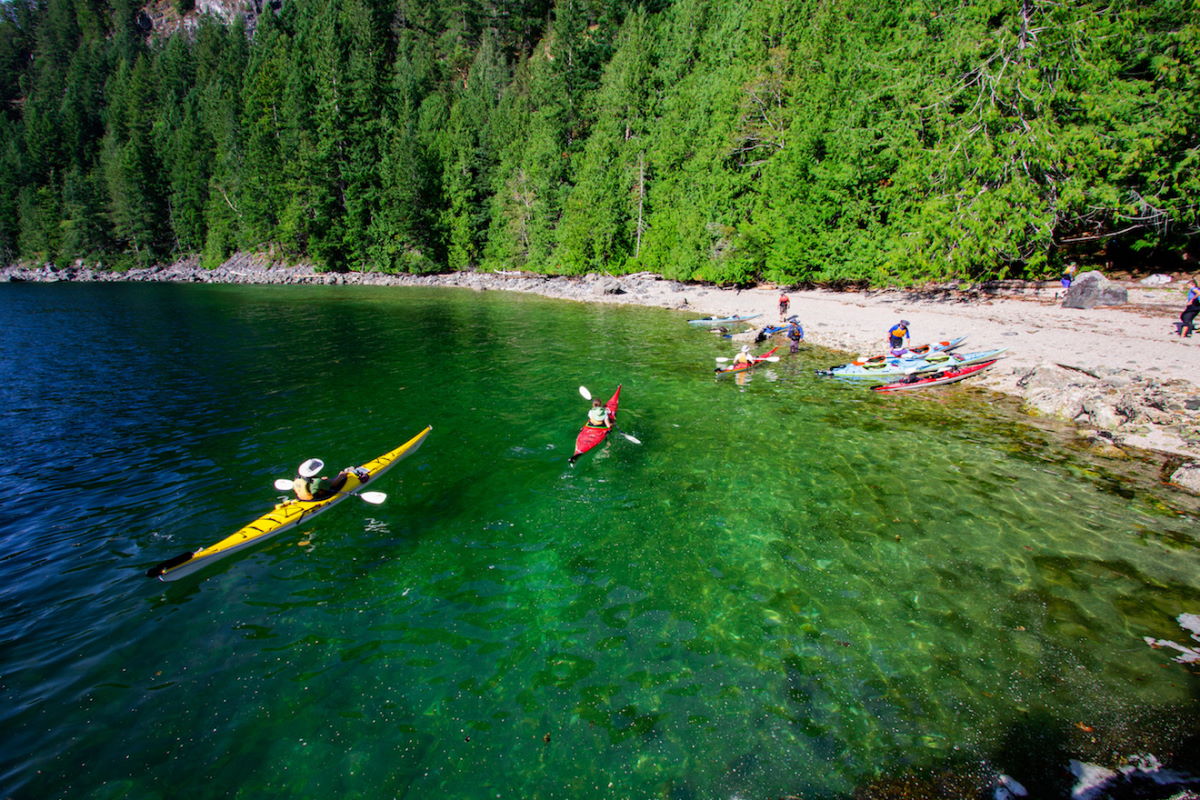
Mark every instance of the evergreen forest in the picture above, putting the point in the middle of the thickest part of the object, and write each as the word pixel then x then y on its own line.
pixel 888 142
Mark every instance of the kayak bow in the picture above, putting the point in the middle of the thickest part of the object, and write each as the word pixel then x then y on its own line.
pixel 285 515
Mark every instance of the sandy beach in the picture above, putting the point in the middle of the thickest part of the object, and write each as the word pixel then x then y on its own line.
pixel 1117 372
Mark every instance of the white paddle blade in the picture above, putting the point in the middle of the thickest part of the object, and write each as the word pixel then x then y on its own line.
pixel 374 498
pixel 633 439
pixel 771 359
pixel 720 359
pixel 283 485
pixel 583 390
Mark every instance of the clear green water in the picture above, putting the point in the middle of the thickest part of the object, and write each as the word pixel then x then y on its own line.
pixel 791 587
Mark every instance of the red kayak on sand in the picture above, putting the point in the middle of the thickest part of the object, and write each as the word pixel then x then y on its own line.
pixel 745 366
pixel 932 378
pixel 591 436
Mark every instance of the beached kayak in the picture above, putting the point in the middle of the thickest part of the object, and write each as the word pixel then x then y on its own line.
pixel 285 515
pixel 893 368
pixel 723 320
pixel 591 436
pixel 917 351
pixel 743 367
pixel 938 378
pixel 772 329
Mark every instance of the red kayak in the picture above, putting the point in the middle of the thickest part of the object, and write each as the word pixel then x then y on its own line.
pixel 591 436
pixel 745 366
pixel 932 378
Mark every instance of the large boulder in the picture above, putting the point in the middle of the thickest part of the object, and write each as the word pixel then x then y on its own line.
pixel 1092 289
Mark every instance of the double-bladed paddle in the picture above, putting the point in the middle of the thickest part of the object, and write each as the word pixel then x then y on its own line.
pixel 374 498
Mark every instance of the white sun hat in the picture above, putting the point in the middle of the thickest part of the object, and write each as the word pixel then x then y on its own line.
pixel 311 468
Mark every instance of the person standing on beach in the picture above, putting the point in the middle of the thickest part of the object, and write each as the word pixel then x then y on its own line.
pixel 1187 320
pixel 784 302
pixel 897 334
pixel 795 333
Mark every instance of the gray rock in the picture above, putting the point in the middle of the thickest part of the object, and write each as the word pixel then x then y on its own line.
pixel 1054 378
pixel 1101 443
pixel 1157 279
pixel 1092 289
pixel 1188 476
pixel 1103 413
pixel 610 286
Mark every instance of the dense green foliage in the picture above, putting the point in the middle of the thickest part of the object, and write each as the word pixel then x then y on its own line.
pixel 724 140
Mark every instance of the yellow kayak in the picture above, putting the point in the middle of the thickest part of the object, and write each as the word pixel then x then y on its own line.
pixel 286 515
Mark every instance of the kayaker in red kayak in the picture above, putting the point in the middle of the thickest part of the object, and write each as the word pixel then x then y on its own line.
pixel 598 416
pixel 743 356
pixel 599 423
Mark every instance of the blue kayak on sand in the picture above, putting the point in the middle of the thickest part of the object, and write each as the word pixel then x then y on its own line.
pixel 892 368
pixel 723 320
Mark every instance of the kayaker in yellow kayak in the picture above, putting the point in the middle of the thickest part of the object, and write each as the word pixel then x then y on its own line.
pixel 308 486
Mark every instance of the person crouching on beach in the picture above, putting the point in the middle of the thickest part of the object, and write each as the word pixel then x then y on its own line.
pixel 897 334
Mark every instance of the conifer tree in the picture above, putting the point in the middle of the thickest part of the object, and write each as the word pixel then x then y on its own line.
pixel 264 189
pixel 467 155
pixel 403 233
pixel 606 204
pixel 132 168
pixel 12 180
